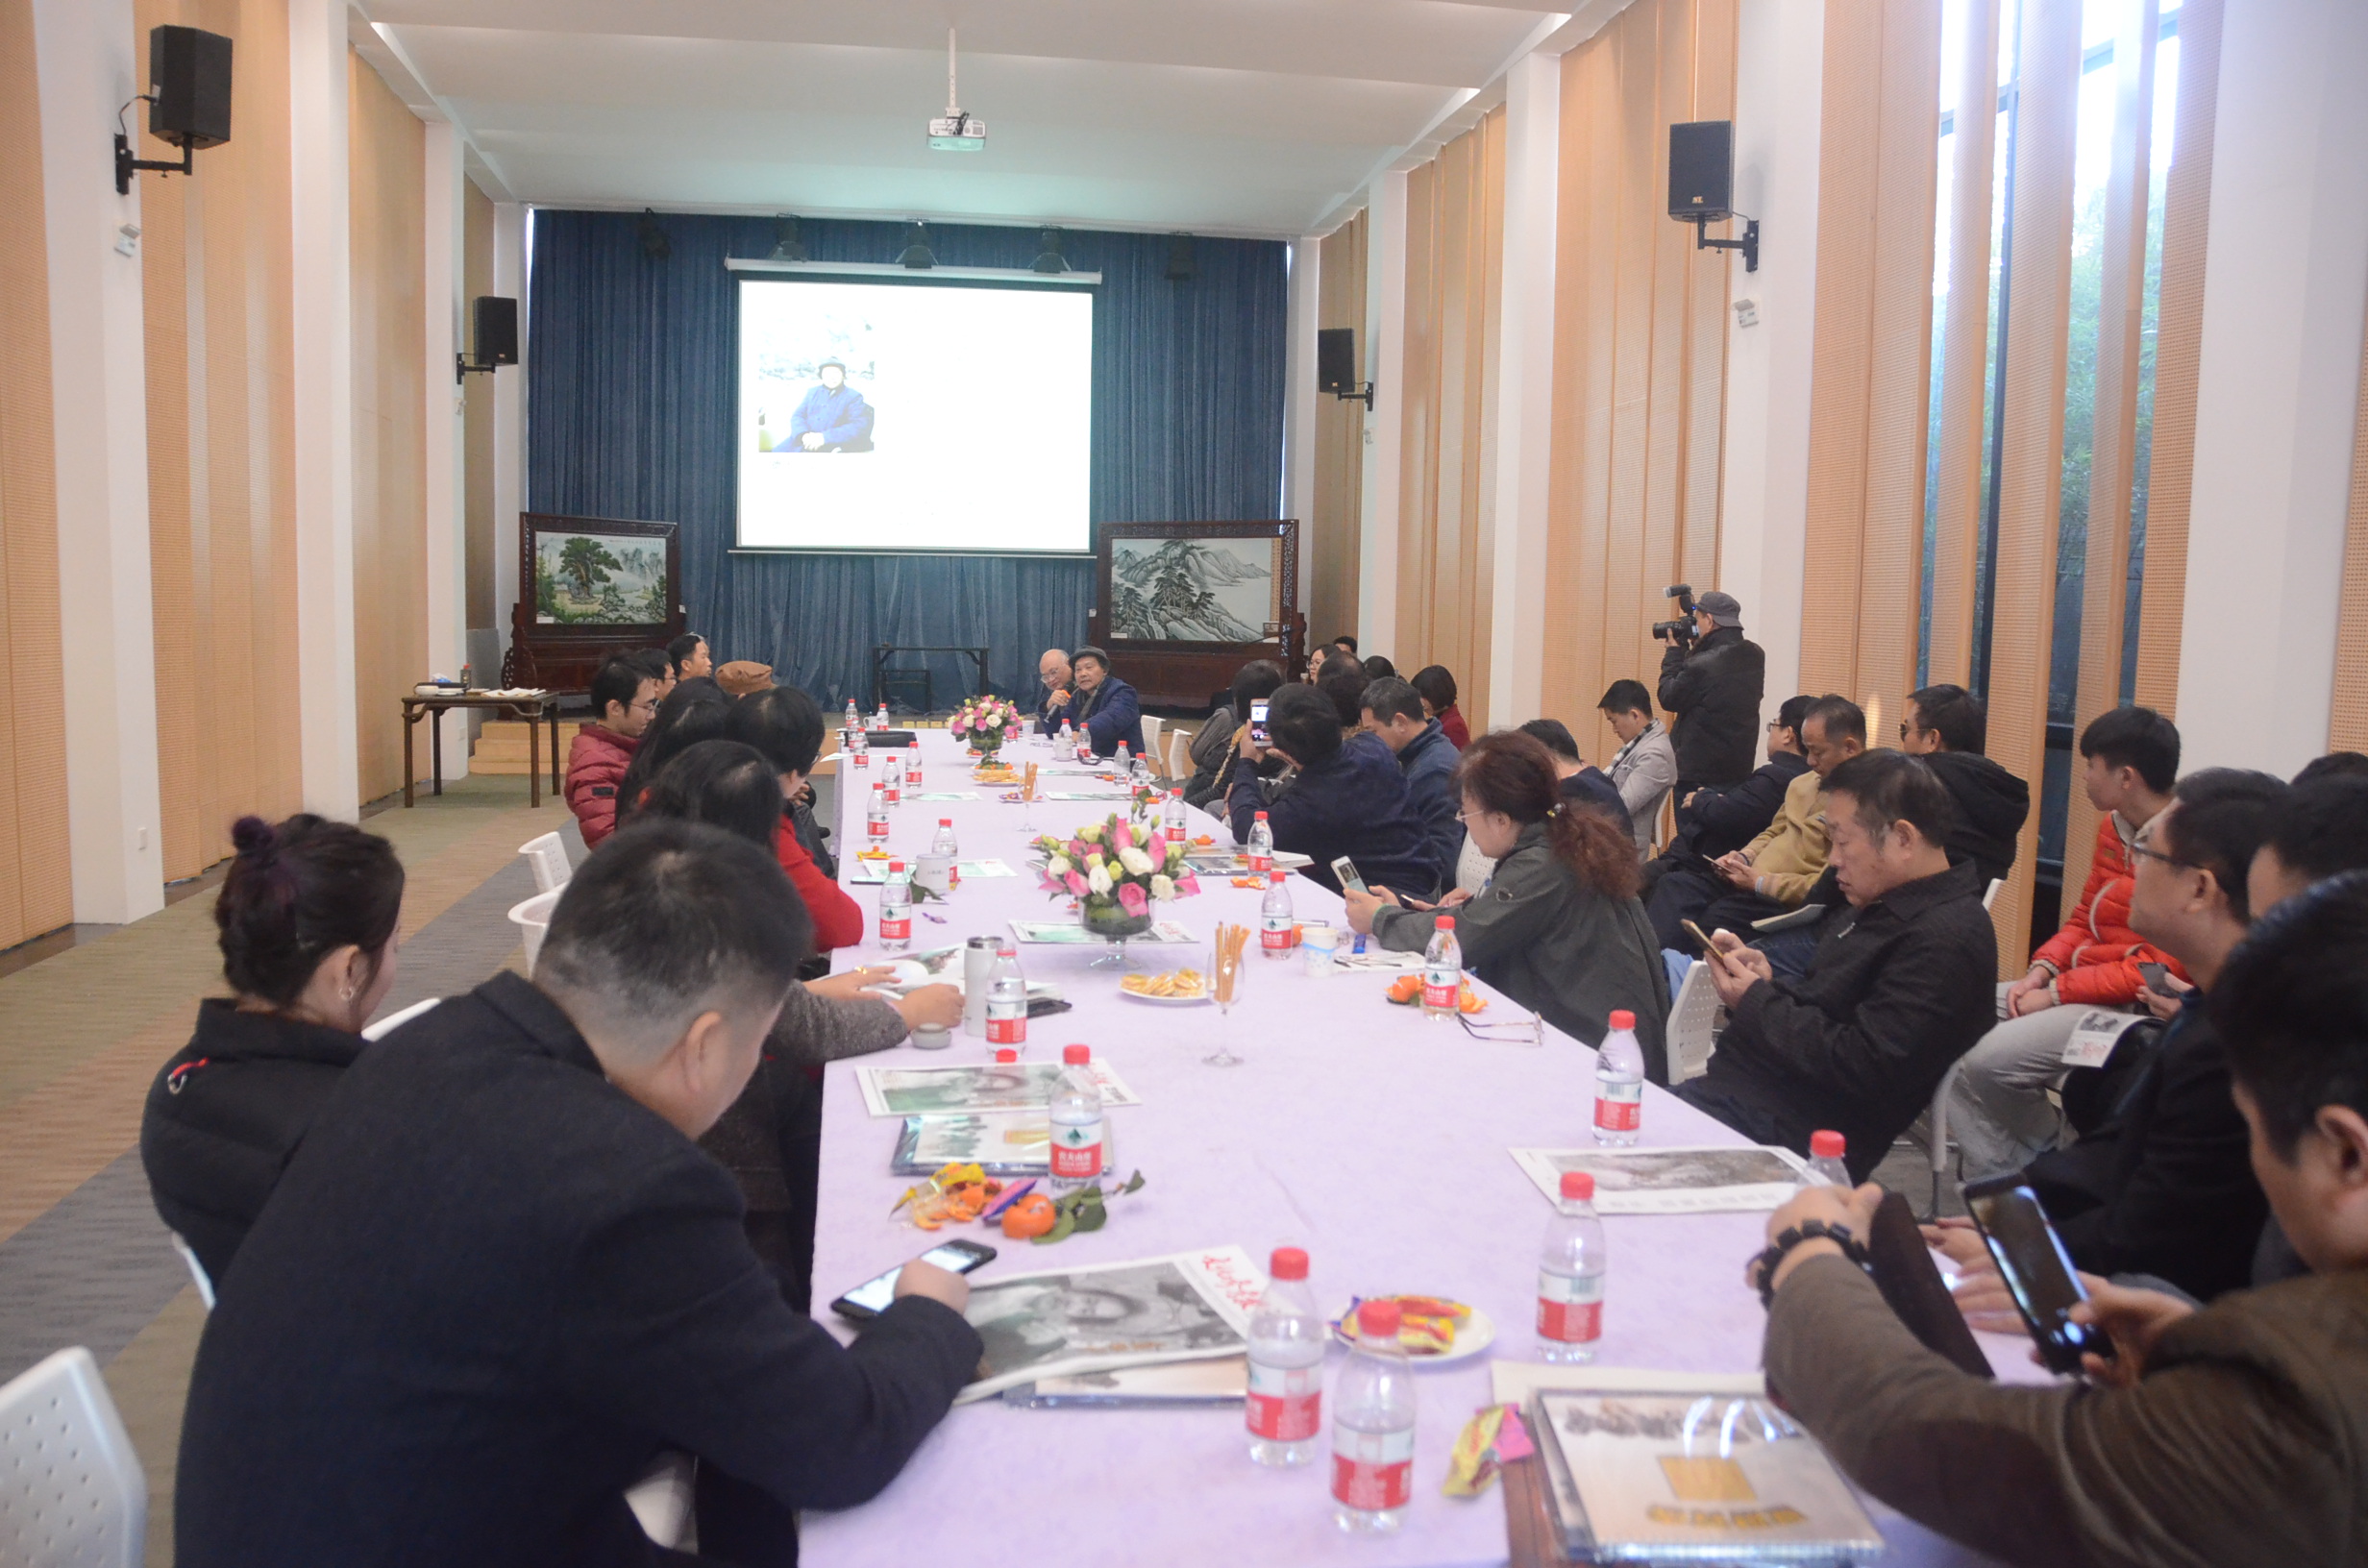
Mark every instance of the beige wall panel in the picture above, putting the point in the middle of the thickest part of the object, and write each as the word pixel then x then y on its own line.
pixel 2347 729
pixel 1340 446
pixel 1640 132
pixel 1710 279
pixel 477 274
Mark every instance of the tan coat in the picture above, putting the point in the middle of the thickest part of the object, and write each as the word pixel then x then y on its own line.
pixel 1790 853
pixel 2246 1442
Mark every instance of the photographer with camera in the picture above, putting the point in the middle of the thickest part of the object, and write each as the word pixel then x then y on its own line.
pixel 1711 678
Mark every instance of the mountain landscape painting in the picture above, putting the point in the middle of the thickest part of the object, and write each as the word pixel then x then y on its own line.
pixel 1192 590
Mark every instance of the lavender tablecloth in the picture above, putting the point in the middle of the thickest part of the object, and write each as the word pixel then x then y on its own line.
pixel 1363 1131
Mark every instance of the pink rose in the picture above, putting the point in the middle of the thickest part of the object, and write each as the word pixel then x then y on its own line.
pixel 1187 885
pixel 1126 836
pixel 1156 846
pixel 1131 898
pixel 1075 883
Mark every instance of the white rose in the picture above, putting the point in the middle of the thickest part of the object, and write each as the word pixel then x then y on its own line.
pixel 1098 879
pixel 1057 866
pixel 1135 861
pixel 1163 887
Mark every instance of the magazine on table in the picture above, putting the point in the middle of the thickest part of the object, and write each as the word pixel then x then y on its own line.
pixel 1069 934
pixel 999 1143
pixel 1101 1317
pixel 975 1090
pixel 1695 1180
pixel 1692 1476
pixel 1229 861
pixel 1168 1387
pixel 1085 795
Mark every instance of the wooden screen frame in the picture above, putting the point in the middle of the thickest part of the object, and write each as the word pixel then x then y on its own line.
pixel 1184 673
pixel 565 657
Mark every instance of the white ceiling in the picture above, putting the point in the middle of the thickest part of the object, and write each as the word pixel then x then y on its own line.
pixel 1262 117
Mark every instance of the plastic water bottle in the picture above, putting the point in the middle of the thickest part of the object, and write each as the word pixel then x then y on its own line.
pixel 1068 738
pixel 1075 1115
pixel 896 909
pixel 1140 774
pixel 1620 1084
pixel 1442 971
pixel 1124 763
pixel 944 843
pixel 876 815
pixel 1826 1148
pixel 859 746
pixel 892 777
pixel 912 766
pixel 1285 1408
pixel 1373 1428
pixel 1570 1275
pixel 1259 850
pixel 855 720
pixel 1172 816
pixel 1275 926
pixel 880 721
pixel 1006 1000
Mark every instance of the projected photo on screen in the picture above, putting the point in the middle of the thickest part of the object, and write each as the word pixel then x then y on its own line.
pixel 926 416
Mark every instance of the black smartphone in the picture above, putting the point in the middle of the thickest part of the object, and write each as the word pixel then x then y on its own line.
pixel 1347 870
pixel 1258 721
pixel 2037 1271
pixel 1044 1007
pixel 2157 978
pixel 871 1297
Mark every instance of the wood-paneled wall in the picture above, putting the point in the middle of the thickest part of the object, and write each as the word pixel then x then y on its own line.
pixel 1336 536
pixel 37 881
pixel 388 198
pixel 2347 727
pixel 1639 355
pixel 477 424
pixel 215 259
pixel 1455 265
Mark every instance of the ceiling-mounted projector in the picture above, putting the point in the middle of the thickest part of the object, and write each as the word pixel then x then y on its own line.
pixel 954 131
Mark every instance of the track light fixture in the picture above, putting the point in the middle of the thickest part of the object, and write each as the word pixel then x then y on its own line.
pixel 654 241
pixel 785 245
pixel 1048 258
pixel 917 252
pixel 1179 259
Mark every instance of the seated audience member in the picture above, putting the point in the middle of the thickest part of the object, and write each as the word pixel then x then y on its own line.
pixel 1345 643
pixel 2320 830
pixel 1211 750
pixel 2220 1435
pixel 2334 763
pixel 694 711
pixel 1896 992
pixel 1645 767
pixel 1391 711
pixel 503 1277
pixel 1315 663
pixel 786 728
pixel 1774 872
pixel 1948 728
pixel 1582 783
pixel 1377 668
pixel 622 698
pixel 1106 710
pixel 306 913
pixel 1715 819
pixel 1054 673
pixel 1437 688
pixel 687 656
pixel 1558 927
pixel 654 664
pixel 1346 799
pixel 2000 1110
pixel 1344 684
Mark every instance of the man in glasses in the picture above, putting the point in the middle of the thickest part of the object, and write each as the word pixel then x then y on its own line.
pixel 624 697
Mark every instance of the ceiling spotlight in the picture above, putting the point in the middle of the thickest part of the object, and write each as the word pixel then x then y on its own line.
pixel 785 246
pixel 654 241
pixel 1049 258
pixel 917 252
pixel 1179 259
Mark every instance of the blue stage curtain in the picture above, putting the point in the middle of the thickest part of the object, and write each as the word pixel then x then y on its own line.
pixel 629 415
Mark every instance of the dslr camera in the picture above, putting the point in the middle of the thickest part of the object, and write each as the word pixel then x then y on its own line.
pixel 1680 632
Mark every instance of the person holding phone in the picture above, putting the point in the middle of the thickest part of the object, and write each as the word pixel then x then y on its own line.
pixel 1211 750
pixel 1347 798
pixel 2224 1434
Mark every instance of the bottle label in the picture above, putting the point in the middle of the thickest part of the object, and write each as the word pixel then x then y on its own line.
pixel 1286 1403
pixel 896 795
pixel 1619 1105
pixel 1260 863
pixel 1077 1151
pixel 1569 1307
pixel 1007 1031
pixel 878 827
pixel 1373 1469
pixel 897 928
pixel 1441 989
pixel 1275 932
pixel 862 758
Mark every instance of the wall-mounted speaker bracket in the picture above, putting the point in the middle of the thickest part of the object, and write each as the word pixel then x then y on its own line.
pixel 1749 244
pixel 1362 392
pixel 125 163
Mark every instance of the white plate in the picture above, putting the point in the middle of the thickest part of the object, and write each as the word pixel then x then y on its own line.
pixel 1474 1334
pixel 1202 999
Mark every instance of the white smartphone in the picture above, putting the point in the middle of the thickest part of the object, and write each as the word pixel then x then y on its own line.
pixel 1258 721
pixel 1347 870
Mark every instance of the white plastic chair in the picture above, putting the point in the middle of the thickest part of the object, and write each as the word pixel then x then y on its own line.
pixel 1151 738
pixel 533 917
pixel 197 1270
pixel 1937 1119
pixel 71 1491
pixel 393 1021
pixel 1179 759
pixel 1693 1032
pixel 548 855
pixel 1989 895
pixel 662 1499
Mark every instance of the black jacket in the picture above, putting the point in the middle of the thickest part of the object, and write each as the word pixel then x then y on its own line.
pixel 1715 691
pixel 489 1292
pixel 1591 786
pixel 1724 818
pixel 1858 1044
pixel 225 1115
pixel 1353 803
pixel 1992 805
pixel 2166 1185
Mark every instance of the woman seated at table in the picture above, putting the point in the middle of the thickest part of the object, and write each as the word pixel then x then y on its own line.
pixel 306 912
pixel 784 725
pixel 1558 927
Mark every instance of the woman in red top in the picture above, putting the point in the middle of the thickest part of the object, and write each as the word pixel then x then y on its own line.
pixel 1437 689
pixel 787 727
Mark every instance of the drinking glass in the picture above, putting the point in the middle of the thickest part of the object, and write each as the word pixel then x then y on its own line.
pixel 1226 981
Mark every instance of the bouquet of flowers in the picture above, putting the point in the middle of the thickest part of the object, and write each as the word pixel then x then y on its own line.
pixel 986 723
pixel 1114 871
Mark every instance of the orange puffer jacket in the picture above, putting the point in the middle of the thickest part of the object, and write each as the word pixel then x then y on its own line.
pixel 2096 954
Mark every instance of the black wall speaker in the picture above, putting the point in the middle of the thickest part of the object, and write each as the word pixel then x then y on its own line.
pixel 189 73
pixel 496 324
pixel 1702 170
pixel 1336 358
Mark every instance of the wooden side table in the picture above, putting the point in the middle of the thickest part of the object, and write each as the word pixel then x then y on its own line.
pixel 535 709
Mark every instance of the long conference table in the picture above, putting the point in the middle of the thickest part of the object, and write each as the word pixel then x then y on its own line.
pixel 1370 1136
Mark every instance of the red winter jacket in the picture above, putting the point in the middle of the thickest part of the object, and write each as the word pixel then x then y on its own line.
pixel 596 764
pixel 838 920
pixel 2096 954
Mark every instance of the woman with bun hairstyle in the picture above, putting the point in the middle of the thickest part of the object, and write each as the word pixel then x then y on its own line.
pixel 1557 928
pixel 307 914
